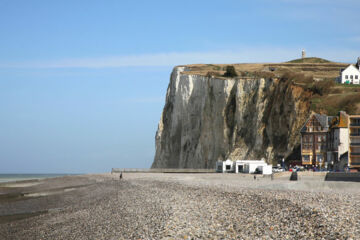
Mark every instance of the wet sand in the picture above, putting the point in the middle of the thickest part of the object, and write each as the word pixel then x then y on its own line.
pixel 179 206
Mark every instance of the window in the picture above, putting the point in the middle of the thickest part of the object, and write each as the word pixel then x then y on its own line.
pixel 319 138
pixel 306 158
pixel 310 129
pixel 356 76
pixel 346 76
pixel 228 167
pixel 308 146
pixel 319 158
pixel 351 77
pixel 324 138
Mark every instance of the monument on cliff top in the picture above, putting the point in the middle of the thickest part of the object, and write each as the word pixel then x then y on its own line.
pixel 303 54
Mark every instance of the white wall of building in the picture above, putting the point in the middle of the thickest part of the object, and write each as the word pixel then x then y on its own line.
pixel 340 143
pixel 246 166
pixel 266 169
pixel 344 141
pixel 251 167
pixel 225 166
pixel 350 74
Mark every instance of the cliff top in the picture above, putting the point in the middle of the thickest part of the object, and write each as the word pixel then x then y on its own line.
pixel 310 60
pixel 312 74
pixel 316 67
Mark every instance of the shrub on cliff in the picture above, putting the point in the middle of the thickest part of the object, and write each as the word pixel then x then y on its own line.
pixel 297 78
pixel 263 74
pixel 322 87
pixel 211 74
pixel 230 72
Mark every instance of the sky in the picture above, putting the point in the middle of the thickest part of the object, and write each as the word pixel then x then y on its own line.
pixel 83 83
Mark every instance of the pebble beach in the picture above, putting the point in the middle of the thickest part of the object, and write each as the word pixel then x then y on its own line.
pixel 179 206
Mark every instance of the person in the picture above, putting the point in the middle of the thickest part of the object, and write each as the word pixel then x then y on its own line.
pixel 120 175
pixel 254 177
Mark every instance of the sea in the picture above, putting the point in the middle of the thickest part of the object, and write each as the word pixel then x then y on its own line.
pixel 5 177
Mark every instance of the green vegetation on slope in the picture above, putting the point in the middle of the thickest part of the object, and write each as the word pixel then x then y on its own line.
pixel 327 96
pixel 310 60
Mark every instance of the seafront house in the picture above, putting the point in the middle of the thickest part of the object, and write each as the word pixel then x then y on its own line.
pixel 244 166
pixel 225 166
pixel 331 142
pixel 354 140
pixel 350 75
pixel 251 166
pixel 338 142
pixel 313 140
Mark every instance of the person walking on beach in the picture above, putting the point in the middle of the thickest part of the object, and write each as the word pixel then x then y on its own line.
pixel 120 175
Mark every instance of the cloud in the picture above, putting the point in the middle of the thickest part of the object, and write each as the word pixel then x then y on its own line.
pixel 237 55
pixel 165 59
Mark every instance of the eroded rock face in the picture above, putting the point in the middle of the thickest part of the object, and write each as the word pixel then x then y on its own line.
pixel 209 119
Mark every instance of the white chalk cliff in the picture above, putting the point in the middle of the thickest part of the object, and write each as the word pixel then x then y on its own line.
pixel 206 119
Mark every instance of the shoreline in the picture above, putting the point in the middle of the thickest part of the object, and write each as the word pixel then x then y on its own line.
pixel 20 177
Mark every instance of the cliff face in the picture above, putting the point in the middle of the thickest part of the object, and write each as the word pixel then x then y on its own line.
pixel 209 119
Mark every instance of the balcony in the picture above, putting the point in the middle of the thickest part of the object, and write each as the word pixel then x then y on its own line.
pixel 354 162
pixel 354 124
pixel 355 153
pixel 355 134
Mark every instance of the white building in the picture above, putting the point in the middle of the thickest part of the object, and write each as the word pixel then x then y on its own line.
pixel 266 169
pixel 349 75
pixel 250 166
pixel 225 166
pixel 338 139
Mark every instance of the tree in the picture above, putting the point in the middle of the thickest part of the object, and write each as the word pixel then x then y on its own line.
pixel 230 72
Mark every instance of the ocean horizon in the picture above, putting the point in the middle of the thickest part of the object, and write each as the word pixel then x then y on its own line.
pixel 12 177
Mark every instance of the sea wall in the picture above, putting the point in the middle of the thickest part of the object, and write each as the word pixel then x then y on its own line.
pixel 341 176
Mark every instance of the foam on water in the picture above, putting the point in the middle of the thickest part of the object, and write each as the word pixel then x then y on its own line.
pixel 22 177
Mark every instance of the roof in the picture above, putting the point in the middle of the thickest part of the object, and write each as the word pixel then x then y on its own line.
pixel 343 120
pixel 340 121
pixel 351 66
pixel 324 121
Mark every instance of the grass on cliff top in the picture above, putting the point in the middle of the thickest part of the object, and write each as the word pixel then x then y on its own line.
pixel 310 60
pixel 315 75
pixel 316 67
